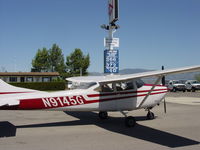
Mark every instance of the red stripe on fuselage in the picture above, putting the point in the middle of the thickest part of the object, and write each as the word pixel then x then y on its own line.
pixel 154 84
pixel 119 98
pixel 117 93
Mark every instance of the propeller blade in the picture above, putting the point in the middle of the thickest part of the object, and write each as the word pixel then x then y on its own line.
pixel 163 78
pixel 163 83
pixel 165 106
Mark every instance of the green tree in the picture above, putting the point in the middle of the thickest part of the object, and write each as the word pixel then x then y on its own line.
pixel 40 62
pixel 56 59
pixel 77 62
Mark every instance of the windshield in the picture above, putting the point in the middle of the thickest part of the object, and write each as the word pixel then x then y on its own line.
pixel 176 82
pixel 83 85
pixel 139 83
pixel 193 82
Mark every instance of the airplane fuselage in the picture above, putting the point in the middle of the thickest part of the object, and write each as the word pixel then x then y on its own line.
pixel 88 99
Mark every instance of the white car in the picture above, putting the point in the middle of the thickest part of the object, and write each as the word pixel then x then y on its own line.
pixel 192 85
pixel 176 85
pixel 69 85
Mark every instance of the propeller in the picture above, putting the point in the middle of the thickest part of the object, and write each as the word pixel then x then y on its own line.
pixel 163 83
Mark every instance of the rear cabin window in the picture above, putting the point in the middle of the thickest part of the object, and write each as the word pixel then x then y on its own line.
pixel 124 86
pixel 107 88
pixel 83 85
pixel 119 86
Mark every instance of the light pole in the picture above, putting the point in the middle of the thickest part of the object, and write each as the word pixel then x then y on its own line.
pixel 111 55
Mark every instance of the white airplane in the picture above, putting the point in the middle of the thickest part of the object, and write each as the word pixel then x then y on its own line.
pixel 94 93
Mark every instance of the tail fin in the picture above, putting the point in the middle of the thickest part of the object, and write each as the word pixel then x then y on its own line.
pixel 9 94
pixel 6 88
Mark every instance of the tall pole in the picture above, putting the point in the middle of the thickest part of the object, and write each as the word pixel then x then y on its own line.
pixel 110 36
pixel 111 55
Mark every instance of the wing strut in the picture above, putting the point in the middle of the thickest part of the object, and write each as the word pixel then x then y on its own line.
pixel 145 98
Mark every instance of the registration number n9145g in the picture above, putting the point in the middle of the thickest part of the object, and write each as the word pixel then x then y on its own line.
pixel 50 102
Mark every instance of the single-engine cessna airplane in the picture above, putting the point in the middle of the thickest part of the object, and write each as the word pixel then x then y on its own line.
pixel 94 93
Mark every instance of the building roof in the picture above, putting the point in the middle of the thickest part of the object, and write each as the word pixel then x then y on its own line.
pixel 29 74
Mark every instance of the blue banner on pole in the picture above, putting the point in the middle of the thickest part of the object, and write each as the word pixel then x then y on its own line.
pixel 111 61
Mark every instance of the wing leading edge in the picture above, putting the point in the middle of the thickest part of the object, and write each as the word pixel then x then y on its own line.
pixel 115 78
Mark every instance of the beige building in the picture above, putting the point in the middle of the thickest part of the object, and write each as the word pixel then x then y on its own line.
pixel 28 76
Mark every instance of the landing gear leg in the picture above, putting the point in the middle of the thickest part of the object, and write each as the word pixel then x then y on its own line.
pixel 150 115
pixel 129 120
pixel 103 115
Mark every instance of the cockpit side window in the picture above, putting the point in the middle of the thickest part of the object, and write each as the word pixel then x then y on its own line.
pixel 129 86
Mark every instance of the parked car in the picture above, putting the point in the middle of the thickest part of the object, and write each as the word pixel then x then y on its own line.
pixel 176 85
pixel 192 85
pixel 69 85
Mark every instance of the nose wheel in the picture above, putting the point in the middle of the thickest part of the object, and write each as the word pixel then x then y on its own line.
pixel 150 115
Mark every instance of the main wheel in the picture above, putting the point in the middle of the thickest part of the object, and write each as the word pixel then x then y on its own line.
pixel 150 116
pixel 130 121
pixel 193 90
pixel 103 115
pixel 174 89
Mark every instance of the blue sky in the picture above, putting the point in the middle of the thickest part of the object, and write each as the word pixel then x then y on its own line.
pixel 152 33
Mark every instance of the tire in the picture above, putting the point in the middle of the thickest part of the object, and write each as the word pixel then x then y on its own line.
pixel 103 115
pixel 150 116
pixel 193 90
pixel 130 121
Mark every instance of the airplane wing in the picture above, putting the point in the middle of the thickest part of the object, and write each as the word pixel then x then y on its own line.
pixel 114 78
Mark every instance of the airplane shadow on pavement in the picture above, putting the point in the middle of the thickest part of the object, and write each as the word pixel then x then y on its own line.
pixel 114 124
